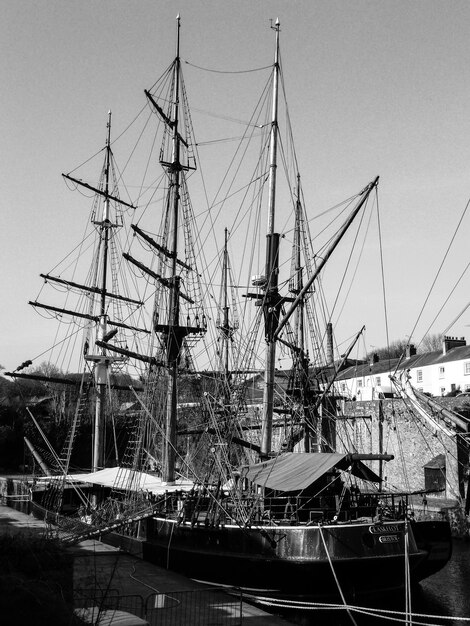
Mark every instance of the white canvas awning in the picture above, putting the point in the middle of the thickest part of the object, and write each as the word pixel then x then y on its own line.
pixel 127 479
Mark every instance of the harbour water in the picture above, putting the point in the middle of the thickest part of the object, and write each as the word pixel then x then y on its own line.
pixel 447 592
pixel 445 595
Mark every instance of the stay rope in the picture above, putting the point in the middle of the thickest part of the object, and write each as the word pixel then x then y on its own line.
pixel 335 577
pixel 440 267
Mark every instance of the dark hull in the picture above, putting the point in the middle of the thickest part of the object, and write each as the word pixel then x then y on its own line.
pixel 434 537
pixel 299 561
pixel 288 561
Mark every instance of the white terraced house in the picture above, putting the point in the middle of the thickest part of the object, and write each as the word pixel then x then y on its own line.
pixel 436 373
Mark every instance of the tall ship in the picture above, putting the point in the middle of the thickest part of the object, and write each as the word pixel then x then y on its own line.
pixel 231 473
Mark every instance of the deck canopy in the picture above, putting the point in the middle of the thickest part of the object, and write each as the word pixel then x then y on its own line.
pixel 127 480
pixel 297 471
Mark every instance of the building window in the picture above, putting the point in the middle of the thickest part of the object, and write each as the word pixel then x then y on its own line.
pixel 419 376
pixel 377 381
pixel 343 386
pixel 443 390
pixel 466 387
pixel 466 368
pixel 442 371
pixel 359 382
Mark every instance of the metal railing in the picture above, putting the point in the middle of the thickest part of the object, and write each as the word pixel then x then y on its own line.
pixel 179 608
pixel 198 608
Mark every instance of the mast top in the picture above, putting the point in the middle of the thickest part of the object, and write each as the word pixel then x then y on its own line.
pixel 178 26
pixel 108 127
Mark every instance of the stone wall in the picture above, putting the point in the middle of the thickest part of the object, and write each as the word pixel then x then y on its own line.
pixel 411 439
pixel 15 493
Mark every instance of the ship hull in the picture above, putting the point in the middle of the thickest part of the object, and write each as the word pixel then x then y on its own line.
pixel 288 561
pixel 435 538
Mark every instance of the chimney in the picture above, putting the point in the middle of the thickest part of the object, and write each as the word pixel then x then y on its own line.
pixel 410 350
pixel 374 359
pixel 329 344
pixel 448 343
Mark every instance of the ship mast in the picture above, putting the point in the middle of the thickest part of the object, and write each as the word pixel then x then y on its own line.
pixel 272 300
pixel 225 330
pixel 102 367
pixel 300 374
pixel 298 280
pixel 224 325
pixel 173 333
pixel 101 360
pixel 176 158
pixel 173 341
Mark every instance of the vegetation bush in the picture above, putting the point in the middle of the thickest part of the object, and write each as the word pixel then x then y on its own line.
pixel 35 582
pixel 26 602
pixel 33 555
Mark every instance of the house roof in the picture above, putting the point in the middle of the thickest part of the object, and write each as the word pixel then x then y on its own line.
pixel 438 462
pixel 456 354
pixel 418 360
pixel 367 369
pixel 360 369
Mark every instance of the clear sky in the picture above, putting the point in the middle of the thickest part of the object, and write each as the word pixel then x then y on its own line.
pixel 374 87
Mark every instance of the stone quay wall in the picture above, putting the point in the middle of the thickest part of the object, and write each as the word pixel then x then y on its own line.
pixel 391 427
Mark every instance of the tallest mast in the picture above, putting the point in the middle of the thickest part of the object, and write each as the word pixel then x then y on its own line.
pixel 272 300
pixel 274 136
pixel 174 340
pixel 177 208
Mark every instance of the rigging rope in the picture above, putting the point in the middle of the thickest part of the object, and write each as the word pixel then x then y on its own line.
pixel 205 69
pixel 440 268
pixel 335 577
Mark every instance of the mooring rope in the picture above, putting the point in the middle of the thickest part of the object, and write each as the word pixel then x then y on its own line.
pixel 386 614
pixel 409 619
pixel 334 575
